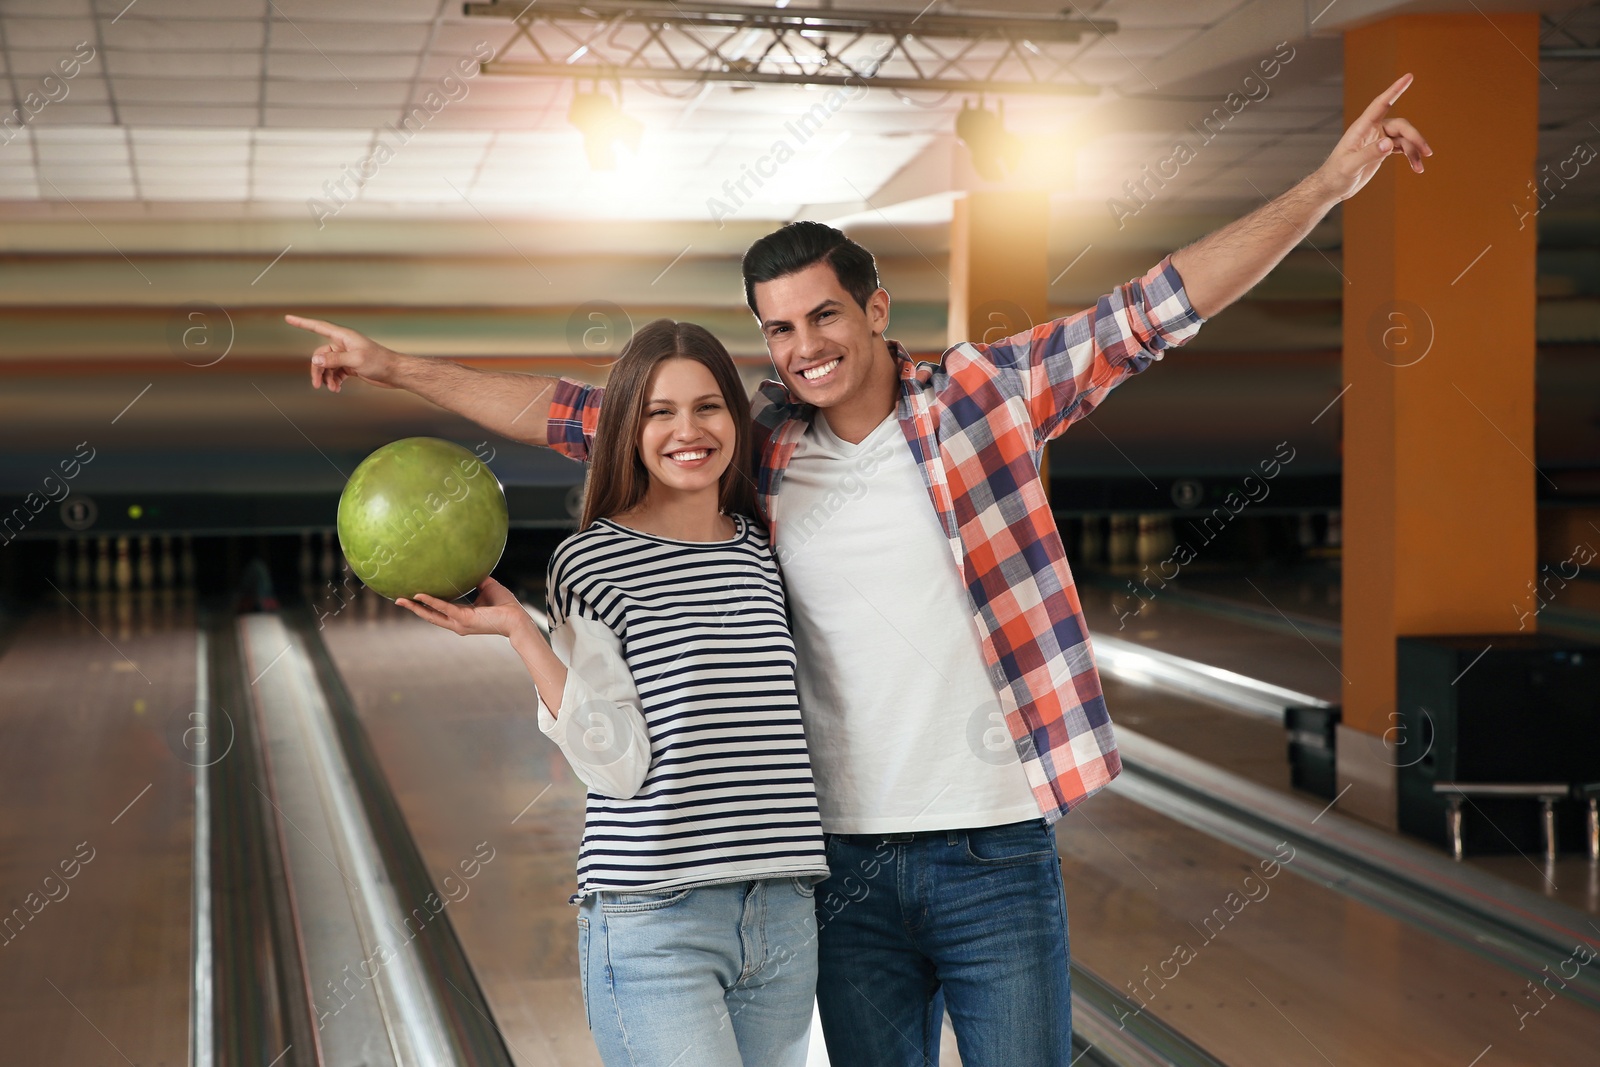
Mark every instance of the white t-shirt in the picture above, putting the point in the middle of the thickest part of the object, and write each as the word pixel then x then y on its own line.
pixel 901 716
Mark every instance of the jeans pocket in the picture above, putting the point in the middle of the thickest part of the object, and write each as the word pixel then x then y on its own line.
pixel 617 903
pixel 583 967
pixel 805 887
pixel 1016 843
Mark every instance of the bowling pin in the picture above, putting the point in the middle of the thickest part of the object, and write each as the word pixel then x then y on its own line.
pixel 327 556
pixel 1122 542
pixel 1093 540
pixel 1308 531
pixel 85 573
pixel 166 569
pixel 1164 537
pixel 1335 529
pixel 63 563
pixel 146 606
pixel 186 561
pixel 102 564
pixel 147 564
pixel 305 557
pixel 124 571
pixel 1145 546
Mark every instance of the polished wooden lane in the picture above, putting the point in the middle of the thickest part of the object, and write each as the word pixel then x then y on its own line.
pixel 452 723
pixel 1255 748
pixel 96 832
pixel 1307 664
pixel 1261 966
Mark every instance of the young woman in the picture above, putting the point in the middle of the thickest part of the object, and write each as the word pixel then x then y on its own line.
pixel 670 688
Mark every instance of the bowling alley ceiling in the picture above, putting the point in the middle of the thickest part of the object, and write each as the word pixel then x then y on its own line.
pixel 281 108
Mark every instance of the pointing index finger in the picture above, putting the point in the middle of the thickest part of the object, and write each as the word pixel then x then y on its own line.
pixel 1386 99
pixel 326 329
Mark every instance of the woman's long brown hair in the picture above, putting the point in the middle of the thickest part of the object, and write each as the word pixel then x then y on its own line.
pixel 618 479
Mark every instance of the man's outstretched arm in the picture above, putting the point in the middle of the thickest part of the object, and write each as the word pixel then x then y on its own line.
pixel 1221 267
pixel 515 406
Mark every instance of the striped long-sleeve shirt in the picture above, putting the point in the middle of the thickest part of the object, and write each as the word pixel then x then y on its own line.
pixel 680 711
pixel 977 421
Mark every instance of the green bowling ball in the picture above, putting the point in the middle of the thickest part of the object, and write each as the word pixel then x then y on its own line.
pixel 422 515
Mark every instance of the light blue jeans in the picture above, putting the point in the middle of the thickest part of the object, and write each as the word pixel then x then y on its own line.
pixel 712 976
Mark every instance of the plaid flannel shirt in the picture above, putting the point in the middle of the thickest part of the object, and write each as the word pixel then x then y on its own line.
pixel 977 422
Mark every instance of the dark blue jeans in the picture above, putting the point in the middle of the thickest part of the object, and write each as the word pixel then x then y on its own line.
pixel 969 920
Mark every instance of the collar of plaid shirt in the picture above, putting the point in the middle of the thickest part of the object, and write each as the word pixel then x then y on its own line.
pixel 977 423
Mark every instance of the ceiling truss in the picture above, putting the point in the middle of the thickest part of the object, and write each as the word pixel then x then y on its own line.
pixel 652 40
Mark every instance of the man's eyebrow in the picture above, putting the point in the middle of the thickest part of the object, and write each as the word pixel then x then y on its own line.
pixel 784 322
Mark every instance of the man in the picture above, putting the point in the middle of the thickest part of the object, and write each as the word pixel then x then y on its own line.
pixel 931 599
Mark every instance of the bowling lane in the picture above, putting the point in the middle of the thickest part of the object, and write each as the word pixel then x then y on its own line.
pixel 1255 748
pixel 452 722
pixel 1308 590
pixel 97 830
pixel 1265 968
pixel 449 720
pixel 1304 659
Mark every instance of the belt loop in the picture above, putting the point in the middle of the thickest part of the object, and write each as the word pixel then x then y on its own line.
pixel 952 836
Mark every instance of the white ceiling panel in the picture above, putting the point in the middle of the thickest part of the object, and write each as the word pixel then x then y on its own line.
pixel 160 64
pixel 183 91
pixel 137 115
pixel 258 101
pixel 334 39
pixel 68 190
pixel 510 118
pixel 186 191
pixel 180 9
pixel 48 34
pixel 81 90
pixel 308 66
pixel 69 115
pixel 158 174
pixel 53 8
pixel 183 138
pixel 31 64
pixel 317 93
pixel 82 135
pixel 340 117
pixel 76 173
pixel 138 31
pixel 311 137
pixel 364 10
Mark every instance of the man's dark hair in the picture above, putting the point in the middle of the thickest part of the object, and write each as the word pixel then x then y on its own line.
pixel 800 244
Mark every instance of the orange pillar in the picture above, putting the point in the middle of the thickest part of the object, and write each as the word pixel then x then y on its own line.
pixel 1439 511
pixel 999 267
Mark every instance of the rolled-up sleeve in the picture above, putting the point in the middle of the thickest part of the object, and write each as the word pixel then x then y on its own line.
pixel 574 414
pixel 1064 368
pixel 598 724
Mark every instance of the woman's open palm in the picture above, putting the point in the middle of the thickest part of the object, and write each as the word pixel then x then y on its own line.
pixel 497 611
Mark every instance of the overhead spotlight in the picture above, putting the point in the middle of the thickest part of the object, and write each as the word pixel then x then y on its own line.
pixel 995 150
pixel 603 125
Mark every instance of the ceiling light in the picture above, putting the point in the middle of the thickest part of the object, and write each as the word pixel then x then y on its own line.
pixel 995 150
pixel 603 124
